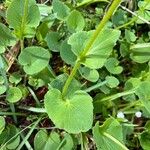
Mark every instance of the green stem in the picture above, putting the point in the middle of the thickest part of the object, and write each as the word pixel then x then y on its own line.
pixel 61 144
pixel 34 96
pixel 82 142
pixel 102 24
pixel 130 105
pixel 128 23
pixel 12 107
pixel 11 113
pixel 115 96
pixel 15 136
pixel 123 147
pixel 96 86
pixel 73 72
pixel 28 135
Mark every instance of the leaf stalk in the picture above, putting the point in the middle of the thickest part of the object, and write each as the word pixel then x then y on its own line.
pixel 102 24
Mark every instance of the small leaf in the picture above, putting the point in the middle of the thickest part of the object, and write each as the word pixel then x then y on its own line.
pixel 34 59
pixel 112 66
pixel 112 82
pixel 60 9
pixel 53 42
pixel 89 74
pixel 99 51
pixel 109 135
pixel 130 36
pixel 2 89
pixel 75 21
pixel 140 53
pixel 15 78
pixel 2 124
pixel 14 94
pixel 75 113
pixel 46 142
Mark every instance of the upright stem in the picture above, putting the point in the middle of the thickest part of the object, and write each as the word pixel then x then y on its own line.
pixel 102 24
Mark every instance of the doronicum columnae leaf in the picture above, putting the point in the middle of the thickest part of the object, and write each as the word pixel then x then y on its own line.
pixel 73 114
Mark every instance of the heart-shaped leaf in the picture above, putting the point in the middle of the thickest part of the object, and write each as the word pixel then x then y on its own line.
pixel 14 94
pixel 34 59
pixel 112 66
pixel 73 114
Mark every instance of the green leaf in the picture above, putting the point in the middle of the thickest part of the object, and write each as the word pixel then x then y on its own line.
pixel 9 132
pixel 143 92
pixel 53 42
pixel 130 36
pixel 75 21
pixel 2 89
pixel 23 18
pixel 59 82
pixel 89 74
pixel 140 53
pixel 75 113
pixel 60 9
pixel 112 66
pixel 109 136
pixel 46 142
pixel 2 124
pixel 112 82
pixel 14 94
pixel 68 142
pixel 144 140
pixel 6 37
pixel 66 54
pixel 34 59
pixel 99 51
pixel 15 78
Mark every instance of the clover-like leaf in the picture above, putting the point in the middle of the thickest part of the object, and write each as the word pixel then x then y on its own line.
pixel 112 82
pixel 53 42
pixel 112 66
pixel 34 59
pixel 73 114
pixel 89 74
pixel 140 53
pixel 60 9
pixel 26 17
pixel 109 136
pixel 75 21
pixel 99 51
pixel 14 94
